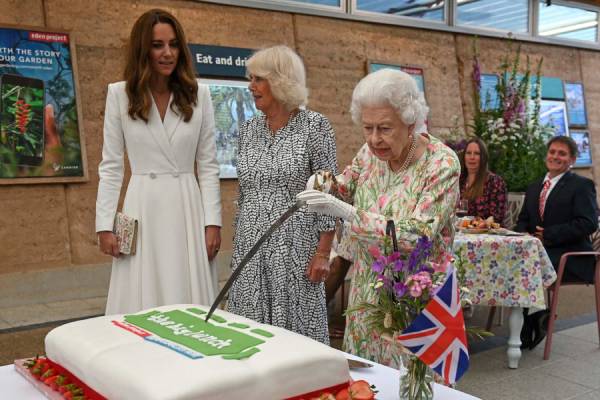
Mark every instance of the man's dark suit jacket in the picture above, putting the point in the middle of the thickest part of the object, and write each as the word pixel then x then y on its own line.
pixel 570 216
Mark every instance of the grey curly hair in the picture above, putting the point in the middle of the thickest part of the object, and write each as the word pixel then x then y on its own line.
pixel 284 70
pixel 394 88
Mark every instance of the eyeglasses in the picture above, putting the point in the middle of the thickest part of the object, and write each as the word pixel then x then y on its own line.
pixel 384 130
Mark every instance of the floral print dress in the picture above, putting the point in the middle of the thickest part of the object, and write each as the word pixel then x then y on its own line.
pixel 421 200
pixel 492 202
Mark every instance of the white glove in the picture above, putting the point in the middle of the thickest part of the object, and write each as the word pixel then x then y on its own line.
pixel 324 203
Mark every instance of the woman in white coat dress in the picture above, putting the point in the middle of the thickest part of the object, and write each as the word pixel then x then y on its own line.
pixel 164 119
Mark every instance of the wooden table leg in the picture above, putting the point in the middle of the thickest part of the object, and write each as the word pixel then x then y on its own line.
pixel 515 323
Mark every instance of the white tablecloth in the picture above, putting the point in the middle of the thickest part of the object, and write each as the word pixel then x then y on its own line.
pixel 14 386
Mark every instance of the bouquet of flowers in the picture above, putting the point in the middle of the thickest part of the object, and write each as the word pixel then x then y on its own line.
pixel 404 286
pixel 407 281
pixel 511 129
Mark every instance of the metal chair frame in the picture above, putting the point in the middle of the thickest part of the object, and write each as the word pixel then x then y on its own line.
pixel 554 289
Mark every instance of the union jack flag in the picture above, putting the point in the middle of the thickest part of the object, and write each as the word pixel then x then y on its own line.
pixel 437 336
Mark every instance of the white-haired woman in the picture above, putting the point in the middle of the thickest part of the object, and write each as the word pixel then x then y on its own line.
pixel 401 173
pixel 278 151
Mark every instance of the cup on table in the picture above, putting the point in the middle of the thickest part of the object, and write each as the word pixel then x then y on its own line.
pixel 462 209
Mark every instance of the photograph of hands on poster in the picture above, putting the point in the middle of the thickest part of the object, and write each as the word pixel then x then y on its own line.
pixel 575 104
pixel 554 113
pixel 40 139
pixel 584 153
pixel 233 104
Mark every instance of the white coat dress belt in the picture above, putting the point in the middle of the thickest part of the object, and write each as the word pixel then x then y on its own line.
pixel 154 175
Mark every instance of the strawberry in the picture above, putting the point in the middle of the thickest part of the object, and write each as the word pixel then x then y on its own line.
pixel 38 368
pixel 361 390
pixel 51 381
pixel 49 372
pixel 74 394
pixel 62 380
pixel 31 362
pixel 343 395
pixel 326 396
pixel 45 366
pixel 67 388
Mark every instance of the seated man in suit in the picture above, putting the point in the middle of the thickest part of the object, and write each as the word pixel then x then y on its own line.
pixel 561 211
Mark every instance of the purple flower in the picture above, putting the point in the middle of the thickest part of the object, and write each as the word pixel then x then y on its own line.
pixel 425 268
pixel 413 260
pixel 400 289
pixel 419 254
pixel 378 266
pixel 387 282
pixel 477 74
pixel 521 110
pixel 394 256
pixel 399 266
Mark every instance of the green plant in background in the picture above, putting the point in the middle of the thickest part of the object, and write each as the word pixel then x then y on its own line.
pixel 512 132
pixel 22 126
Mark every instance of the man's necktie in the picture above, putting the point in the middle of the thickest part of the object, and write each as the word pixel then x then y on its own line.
pixel 543 196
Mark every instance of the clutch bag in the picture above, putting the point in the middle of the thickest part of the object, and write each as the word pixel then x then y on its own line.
pixel 125 229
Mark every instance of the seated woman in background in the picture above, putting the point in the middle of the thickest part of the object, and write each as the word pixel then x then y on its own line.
pixel 485 191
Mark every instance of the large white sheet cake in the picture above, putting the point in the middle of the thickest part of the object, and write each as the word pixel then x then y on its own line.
pixel 169 353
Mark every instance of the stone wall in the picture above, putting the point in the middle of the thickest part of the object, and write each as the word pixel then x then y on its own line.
pixel 48 229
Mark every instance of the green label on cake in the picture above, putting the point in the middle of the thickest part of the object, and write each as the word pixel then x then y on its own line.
pixel 196 334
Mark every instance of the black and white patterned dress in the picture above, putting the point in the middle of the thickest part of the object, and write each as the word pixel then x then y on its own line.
pixel 272 168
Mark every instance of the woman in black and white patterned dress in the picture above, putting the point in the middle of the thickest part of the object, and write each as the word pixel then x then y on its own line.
pixel 278 151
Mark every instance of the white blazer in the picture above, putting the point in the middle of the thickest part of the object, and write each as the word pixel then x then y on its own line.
pixel 171 205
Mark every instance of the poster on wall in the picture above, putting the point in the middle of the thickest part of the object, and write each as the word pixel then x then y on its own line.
pixel 554 113
pixel 584 153
pixel 488 95
pixel 40 129
pixel 415 72
pixel 575 104
pixel 233 104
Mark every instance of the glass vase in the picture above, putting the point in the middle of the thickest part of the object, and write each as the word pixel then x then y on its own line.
pixel 416 380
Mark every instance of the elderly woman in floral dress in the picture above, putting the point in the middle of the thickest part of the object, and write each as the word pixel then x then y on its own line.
pixel 401 174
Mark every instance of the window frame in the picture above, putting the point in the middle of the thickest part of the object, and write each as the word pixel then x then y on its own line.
pixel 581 6
pixel 482 29
pixel 348 11
pixel 409 21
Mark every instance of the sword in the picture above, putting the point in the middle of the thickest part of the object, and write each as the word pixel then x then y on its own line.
pixel 299 204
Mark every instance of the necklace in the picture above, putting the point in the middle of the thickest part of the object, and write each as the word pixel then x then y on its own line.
pixel 272 126
pixel 409 155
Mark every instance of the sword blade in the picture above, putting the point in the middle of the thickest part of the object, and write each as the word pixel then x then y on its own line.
pixel 299 204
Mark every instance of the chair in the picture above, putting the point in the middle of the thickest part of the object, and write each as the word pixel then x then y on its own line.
pixel 513 208
pixel 553 290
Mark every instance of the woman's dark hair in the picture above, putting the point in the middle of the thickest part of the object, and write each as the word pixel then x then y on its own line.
pixel 138 69
pixel 475 190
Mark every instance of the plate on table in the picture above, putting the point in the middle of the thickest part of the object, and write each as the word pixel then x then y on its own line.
pixel 474 230
pixel 505 232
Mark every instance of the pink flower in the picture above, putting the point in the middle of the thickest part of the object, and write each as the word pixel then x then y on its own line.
pixel 383 200
pixel 374 251
pixel 419 282
pixel 442 266
pixel 415 290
